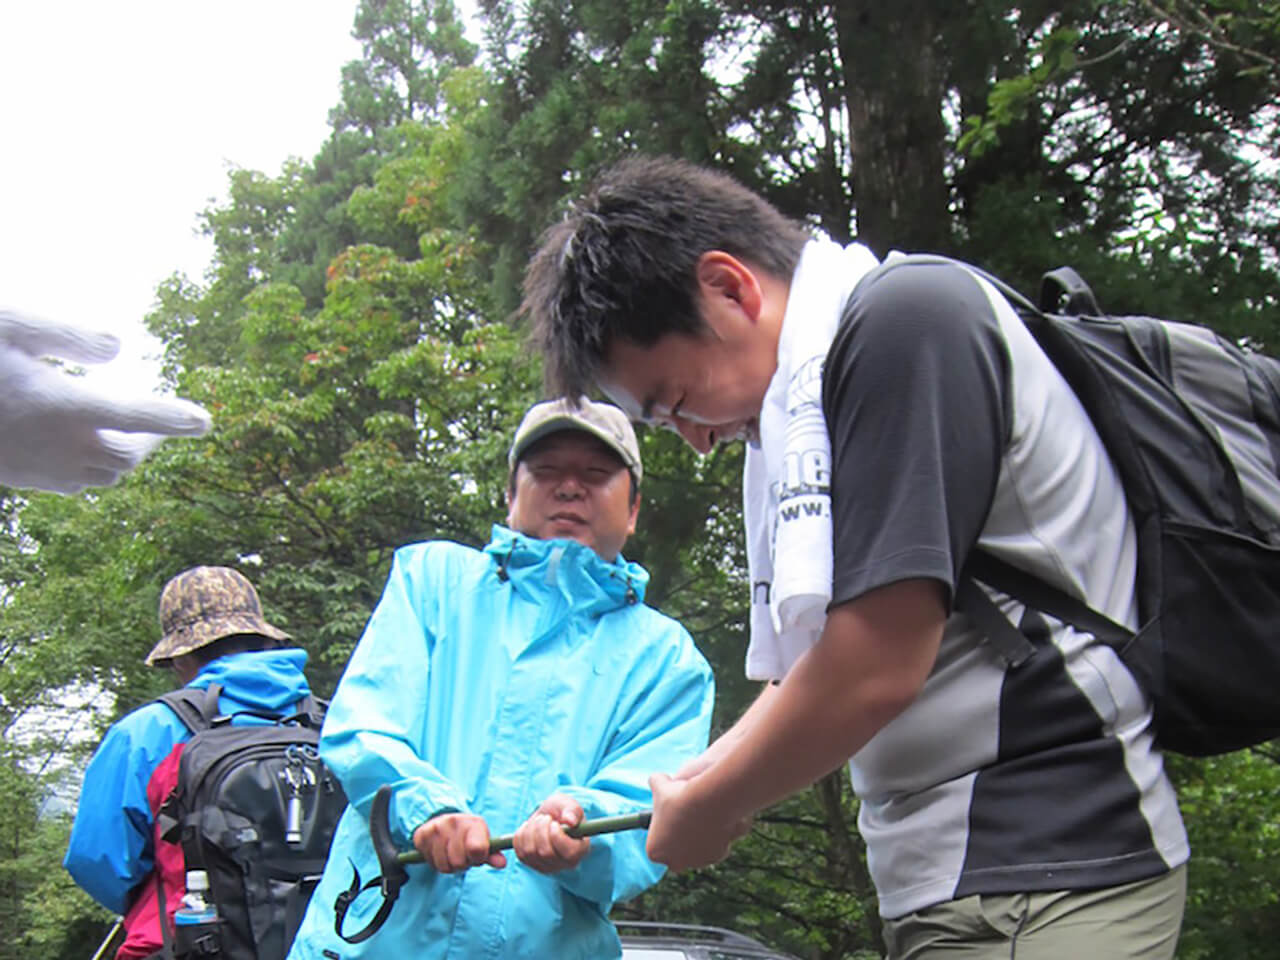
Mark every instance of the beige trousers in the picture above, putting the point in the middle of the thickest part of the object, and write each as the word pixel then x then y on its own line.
pixel 1135 921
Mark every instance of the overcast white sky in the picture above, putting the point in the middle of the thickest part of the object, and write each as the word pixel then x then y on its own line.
pixel 118 123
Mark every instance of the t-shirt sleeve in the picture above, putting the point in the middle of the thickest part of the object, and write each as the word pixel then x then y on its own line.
pixel 915 398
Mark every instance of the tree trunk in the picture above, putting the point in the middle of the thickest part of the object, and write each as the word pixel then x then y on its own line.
pixel 894 89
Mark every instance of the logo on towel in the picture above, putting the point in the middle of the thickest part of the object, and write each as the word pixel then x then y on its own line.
pixel 804 486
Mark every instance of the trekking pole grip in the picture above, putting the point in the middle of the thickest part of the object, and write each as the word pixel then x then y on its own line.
pixel 587 828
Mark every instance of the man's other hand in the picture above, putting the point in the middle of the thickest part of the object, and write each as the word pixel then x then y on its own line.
pixel 453 842
pixel 541 842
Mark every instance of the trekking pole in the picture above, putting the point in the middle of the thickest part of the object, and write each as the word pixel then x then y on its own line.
pixel 587 828
pixel 110 942
pixel 393 861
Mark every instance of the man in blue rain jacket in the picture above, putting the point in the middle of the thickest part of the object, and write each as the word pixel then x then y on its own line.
pixel 518 688
pixel 213 631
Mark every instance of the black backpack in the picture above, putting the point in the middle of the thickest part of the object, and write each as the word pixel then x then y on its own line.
pixel 1192 424
pixel 255 808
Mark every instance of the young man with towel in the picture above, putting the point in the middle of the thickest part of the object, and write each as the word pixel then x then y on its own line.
pixel 900 415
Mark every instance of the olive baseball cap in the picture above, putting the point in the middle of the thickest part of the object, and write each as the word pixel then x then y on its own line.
pixel 205 604
pixel 601 420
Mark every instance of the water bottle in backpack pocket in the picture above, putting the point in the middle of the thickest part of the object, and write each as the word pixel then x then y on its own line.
pixel 195 923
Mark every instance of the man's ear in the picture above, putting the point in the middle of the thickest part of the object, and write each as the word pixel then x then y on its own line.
pixel 721 274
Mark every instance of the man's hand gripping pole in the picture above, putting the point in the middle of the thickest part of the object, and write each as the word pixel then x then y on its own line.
pixel 392 861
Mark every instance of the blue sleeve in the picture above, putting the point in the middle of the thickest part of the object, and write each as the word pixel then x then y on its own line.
pixel 665 721
pixel 111 847
pixel 369 738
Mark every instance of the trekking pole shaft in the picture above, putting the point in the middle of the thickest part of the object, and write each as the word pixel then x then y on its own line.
pixel 111 942
pixel 587 828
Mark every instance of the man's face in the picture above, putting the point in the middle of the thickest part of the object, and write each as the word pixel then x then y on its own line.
pixel 708 388
pixel 571 485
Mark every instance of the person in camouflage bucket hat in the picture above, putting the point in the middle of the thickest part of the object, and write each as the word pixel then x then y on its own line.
pixel 213 632
pixel 205 604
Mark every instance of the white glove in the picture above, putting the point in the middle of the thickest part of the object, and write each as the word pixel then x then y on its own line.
pixel 59 433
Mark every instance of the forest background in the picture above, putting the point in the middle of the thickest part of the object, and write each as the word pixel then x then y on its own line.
pixel 353 338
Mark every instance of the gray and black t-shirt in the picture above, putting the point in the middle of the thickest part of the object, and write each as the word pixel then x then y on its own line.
pixel 950 428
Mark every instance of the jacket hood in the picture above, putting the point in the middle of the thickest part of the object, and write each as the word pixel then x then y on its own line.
pixel 270 679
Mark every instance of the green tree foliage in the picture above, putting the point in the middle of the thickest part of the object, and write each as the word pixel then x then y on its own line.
pixel 1134 139
pixel 42 912
pixel 352 338
pixel 1233 819
pixel 1152 142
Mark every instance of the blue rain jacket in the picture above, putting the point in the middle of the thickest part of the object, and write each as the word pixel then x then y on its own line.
pixel 111 849
pixel 484 683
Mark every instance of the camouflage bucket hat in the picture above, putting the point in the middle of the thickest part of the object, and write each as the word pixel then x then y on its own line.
pixel 205 604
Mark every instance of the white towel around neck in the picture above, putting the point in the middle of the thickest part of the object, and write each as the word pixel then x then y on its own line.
pixel 786 495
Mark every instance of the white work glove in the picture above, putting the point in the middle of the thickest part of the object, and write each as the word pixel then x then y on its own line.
pixel 61 434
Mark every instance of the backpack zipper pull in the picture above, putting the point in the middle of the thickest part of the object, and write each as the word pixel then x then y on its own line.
pixel 293 774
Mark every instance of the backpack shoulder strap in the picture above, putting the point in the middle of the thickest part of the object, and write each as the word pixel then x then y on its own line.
pixel 195 707
pixel 1038 595
pixel 1007 640
pixel 1020 303
pixel 313 710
